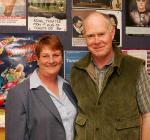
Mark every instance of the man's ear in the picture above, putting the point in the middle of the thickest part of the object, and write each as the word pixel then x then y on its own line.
pixel 113 31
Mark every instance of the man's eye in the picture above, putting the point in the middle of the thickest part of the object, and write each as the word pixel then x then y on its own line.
pixel 101 34
pixel 90 36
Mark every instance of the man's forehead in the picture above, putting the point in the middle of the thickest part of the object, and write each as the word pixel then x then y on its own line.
pixel 93 18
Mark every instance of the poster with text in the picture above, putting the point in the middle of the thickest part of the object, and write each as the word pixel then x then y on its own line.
pixel 13 12
pixel 47 15
pixel 138 17
pixel 142 54
pixel 69 58
pixel 148 61
pixel 78 16
pixel 17 62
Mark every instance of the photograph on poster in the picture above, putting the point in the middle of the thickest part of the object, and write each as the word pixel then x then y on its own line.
pixel 138 17
pixel 102 4
pixel 13 12
pixel 69 58
pixel 79 14
pixel 47 15
pixel 77 27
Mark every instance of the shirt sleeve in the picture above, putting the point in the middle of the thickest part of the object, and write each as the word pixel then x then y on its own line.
pixel 143 91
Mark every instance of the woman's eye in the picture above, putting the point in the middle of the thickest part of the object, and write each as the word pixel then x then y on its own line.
pixel 56 55
pixel 45 56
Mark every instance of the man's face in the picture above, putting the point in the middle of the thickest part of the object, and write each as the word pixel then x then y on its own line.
pixel 99 35
pixel 78 24
pixel 141 4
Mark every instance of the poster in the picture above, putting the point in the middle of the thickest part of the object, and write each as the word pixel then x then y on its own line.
pixel 17 62
pixel 69 58
pixel 148 62
pixel 47 15
pixel 78 16
pixel 102 4
pixel 13 12
pixel 138 17
pixel 142 54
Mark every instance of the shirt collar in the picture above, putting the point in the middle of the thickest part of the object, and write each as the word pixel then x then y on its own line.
pixel 116 64
pixel 106 66
pixel 35 81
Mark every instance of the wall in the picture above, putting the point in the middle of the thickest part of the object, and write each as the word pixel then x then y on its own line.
pixel 128 42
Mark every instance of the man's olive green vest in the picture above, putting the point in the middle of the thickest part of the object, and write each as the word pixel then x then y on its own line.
pixel 112 114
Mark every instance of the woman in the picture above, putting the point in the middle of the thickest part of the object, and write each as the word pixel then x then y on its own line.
pixel 43 106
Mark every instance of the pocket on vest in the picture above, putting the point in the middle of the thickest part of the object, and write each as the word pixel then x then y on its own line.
pixel 81 127
pixel 128 128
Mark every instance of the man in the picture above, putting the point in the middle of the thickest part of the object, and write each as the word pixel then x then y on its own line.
pixel 112 89
pixel 77 27
pixel 140 16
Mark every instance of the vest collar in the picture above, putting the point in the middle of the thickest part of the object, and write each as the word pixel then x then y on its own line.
pixel 118 56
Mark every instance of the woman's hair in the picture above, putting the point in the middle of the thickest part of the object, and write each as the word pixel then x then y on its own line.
pixel 51 41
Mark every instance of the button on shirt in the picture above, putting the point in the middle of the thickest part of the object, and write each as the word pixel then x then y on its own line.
pixel 64 106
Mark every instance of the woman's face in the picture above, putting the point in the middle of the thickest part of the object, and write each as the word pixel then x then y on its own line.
pixel 50 61
pixel 141 5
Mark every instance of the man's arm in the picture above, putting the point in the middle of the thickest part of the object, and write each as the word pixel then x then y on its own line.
pixel 143 98
pixel 145 126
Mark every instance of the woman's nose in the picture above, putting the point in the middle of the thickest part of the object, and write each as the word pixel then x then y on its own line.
pixel 51 59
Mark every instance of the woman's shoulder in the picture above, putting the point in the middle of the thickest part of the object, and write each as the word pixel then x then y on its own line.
pixel 23 86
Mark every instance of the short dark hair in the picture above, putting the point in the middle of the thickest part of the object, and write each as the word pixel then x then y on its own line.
pixel 76 19
pixel 52 41
pixel 114 17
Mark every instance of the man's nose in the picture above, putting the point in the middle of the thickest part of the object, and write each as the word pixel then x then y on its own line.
pixel 97 39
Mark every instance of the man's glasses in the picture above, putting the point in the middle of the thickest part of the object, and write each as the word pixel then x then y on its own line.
pixel 141 0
